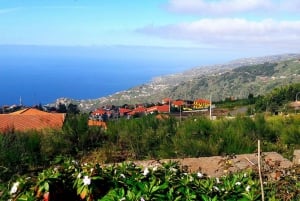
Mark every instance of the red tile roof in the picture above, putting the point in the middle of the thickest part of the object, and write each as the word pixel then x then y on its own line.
pixel 97 123
pixel 163 108
pixel 178 103
pixel 138 110
pixel 124 110
pixel 152 109
pixel 100 112
pixel 31 119
pixel 159 108
pixel 202 101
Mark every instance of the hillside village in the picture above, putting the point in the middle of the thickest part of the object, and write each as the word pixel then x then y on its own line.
pixel 21 118
pixel 166 106
pixel 38 118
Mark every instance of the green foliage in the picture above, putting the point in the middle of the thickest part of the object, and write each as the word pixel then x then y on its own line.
pixel 147 138
pixel 238 83
pixel 230 132
pixel 266 69
pixel 72 109
pixel 53 143
pixel 227 103
pixel 18 152
pixel 67 179
pixel 61 108
pixel 277 100
pixel 76 127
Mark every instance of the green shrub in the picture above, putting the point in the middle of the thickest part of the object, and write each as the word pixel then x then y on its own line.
pixel 70 180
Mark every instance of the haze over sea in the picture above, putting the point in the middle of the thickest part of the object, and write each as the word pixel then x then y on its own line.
pixel 43 74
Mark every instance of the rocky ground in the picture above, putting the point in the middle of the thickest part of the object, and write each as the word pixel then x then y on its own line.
pixel 217 165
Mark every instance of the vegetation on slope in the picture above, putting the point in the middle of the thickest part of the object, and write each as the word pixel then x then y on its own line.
pixel 239 82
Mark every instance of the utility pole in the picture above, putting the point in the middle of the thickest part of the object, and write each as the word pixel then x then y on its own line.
pixel 296 101
pixel 210 108
pixel 169 105
pixel 297 96
pixel 180 112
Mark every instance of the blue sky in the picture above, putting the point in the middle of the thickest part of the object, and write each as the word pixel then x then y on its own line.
pixel 256 26
pixel 82 22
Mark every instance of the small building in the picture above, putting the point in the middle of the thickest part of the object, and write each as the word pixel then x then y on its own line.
pixel 101 114
pixel 31 119
pixel 201 104
pixel 97 123
pixel 159 109
pixel 124 111
pixel 178 103
pixel 140 110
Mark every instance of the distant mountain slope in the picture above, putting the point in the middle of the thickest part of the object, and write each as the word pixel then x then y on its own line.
pixel 234 79
pixel 239 82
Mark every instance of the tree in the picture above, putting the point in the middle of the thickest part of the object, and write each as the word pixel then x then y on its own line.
pixel 76 126
pixel 61 108
pixel 251 98
pixel 72 109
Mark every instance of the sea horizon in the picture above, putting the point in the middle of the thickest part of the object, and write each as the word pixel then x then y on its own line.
pixel 40 75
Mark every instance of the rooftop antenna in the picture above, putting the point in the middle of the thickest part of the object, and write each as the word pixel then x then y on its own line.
pixel 20 101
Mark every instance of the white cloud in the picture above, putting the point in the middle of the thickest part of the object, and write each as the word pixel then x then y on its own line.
pixel 233 32
pixel 231 7
pixel 234 23
pixel 290 5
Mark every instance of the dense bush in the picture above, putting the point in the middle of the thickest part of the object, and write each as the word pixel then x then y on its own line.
pixel 277 100
pixel 149 137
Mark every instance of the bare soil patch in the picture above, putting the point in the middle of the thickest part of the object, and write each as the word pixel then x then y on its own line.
pixel 217 165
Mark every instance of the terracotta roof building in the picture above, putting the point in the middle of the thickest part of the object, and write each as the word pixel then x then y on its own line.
pixel 178 103
pixel 97 123
pixel 138 110
pixel 159 109
pixel 124 111
pixel 201 103
pixel 101 112
pixel 31 119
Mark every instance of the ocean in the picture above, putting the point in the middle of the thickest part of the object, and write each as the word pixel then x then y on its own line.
pixel 40 75
pixel 45 80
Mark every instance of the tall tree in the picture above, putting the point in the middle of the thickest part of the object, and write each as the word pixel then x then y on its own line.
pixel 72 109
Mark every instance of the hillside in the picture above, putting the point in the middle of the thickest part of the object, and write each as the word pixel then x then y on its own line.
pixel 239 82
pixel 234 79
